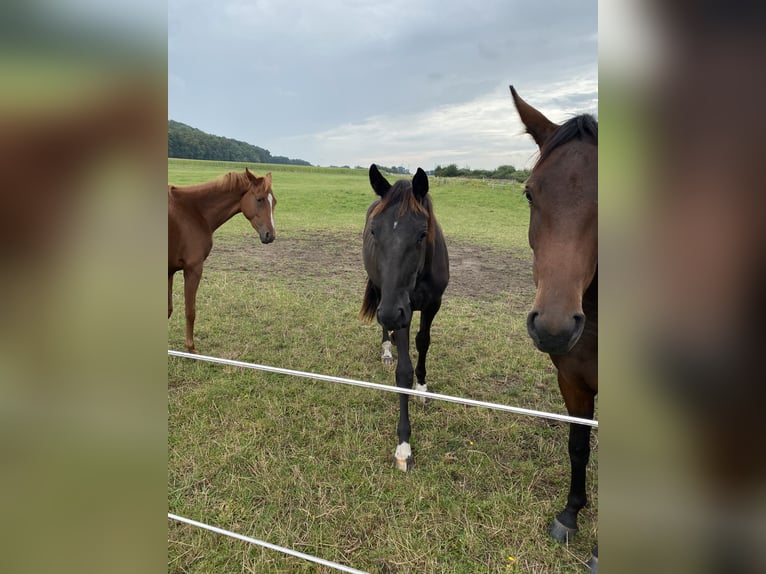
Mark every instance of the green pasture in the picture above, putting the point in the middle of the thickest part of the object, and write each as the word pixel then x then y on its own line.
pixel 309 465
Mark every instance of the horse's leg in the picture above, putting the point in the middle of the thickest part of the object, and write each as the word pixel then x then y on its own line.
pixel 192 276
pixel 422 343
pixel 386 357
pixel 403 454
pixel 593 562
pixel 170 294
pixel 564 525
pixel 579 401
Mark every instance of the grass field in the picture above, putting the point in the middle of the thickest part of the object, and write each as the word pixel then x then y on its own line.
pixel 309 465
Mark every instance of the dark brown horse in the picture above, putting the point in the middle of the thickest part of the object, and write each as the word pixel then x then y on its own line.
pixel 196 211
pixel 562 191
pixel 405 256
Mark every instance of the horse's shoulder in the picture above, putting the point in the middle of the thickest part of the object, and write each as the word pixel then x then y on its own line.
pixel 186 217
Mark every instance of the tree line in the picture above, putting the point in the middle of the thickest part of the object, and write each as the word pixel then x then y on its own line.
pixel 502 172
pixel 186 142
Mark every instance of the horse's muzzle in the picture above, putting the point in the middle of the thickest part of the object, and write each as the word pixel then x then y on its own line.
pixel 267 236
pixel 394 317
pixel 555 338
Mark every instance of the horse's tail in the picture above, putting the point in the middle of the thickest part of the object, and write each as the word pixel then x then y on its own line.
pixel 370 302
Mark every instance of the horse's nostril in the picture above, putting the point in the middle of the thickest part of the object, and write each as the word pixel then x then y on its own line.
pixel 579 319
pixel 531 319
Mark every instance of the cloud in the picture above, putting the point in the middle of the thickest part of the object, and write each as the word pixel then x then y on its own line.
pixel 483 133
pixel 405 81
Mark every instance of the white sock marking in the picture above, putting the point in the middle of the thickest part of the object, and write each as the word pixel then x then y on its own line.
pixel 403 451
pixel 419 387
pixel 387 350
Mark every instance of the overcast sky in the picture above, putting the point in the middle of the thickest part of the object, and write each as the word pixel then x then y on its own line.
pixel 394 82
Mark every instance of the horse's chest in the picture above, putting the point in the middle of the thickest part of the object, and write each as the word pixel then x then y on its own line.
pixel 189 239
pixel 420 296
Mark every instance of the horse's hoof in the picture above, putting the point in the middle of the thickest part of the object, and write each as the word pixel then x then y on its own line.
pixel 403 464
pixel 387 361
pixel 593 562
pixel 561 533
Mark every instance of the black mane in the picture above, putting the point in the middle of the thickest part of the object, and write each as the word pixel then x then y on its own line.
pixel 583 127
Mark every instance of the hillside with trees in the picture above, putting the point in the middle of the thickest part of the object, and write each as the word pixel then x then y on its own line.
pixel 186 142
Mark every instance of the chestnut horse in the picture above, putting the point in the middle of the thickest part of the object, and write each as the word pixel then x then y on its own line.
pixel 405 256
pixel 562 191
pixel 195 212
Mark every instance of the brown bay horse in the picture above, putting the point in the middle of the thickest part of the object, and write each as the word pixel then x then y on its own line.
pixel 196 211
pixel 562 191
pixel 405 256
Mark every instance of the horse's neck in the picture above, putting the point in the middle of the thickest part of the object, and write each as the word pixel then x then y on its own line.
pixel 219 200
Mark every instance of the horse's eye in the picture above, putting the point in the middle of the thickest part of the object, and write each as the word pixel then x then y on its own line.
pixel 422 236
pixel 260 200
pixel 528 195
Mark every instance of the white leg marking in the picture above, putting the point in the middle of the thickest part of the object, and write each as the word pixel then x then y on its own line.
pixel 403 451
pixel 424 388
pixel 387 356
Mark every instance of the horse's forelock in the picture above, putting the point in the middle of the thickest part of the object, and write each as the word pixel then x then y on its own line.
pixel 401 193
pixel 239 181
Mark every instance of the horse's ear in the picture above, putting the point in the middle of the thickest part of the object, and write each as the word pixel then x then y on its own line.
pixel 378 182
pixel 420 184
pixel 267 177
pixel 250 175
pixel 538 126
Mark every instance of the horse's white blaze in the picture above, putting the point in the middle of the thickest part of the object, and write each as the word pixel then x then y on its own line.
pixel 270 199
pixel 387 350
pixel 403 451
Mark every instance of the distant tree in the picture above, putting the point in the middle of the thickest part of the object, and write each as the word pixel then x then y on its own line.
pixel 450 171
pixel 521 175
pixel 502 172
pixel 394 169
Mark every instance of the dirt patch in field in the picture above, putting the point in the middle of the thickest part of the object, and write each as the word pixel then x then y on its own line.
pixel 475 271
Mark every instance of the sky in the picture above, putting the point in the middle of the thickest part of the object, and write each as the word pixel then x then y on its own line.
pixel 413 83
